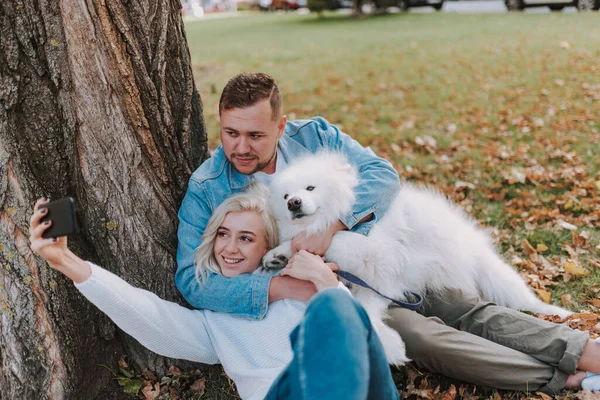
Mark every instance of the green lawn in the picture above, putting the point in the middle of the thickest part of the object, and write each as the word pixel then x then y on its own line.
pixel 500 111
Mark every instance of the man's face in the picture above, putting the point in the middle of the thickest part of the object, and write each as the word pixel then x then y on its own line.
pixel 249 137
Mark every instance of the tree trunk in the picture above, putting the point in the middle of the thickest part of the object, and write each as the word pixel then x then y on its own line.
pixel 97 101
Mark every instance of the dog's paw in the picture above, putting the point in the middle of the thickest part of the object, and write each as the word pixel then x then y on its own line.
pixel 272 260
pixel 393 344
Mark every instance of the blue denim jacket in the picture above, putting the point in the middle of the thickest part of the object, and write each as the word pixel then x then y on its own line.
pixel 215 180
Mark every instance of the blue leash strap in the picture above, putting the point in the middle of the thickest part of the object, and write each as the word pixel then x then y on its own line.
pixel 355 279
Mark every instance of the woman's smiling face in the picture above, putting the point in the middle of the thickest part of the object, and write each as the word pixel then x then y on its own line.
pixel 240 243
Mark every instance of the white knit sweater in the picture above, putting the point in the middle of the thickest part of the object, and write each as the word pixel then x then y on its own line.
pixel 253 352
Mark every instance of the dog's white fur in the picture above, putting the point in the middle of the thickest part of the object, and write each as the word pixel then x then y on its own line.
pixel 424 242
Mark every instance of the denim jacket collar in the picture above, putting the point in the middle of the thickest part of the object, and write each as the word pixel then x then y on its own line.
pixel 291 149
pixel 237 180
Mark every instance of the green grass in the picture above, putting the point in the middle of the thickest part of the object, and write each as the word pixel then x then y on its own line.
pixel 497 92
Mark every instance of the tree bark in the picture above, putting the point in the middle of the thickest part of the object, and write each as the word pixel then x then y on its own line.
pixel 97 101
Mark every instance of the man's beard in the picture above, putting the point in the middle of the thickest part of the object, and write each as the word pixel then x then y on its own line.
pixel 259 167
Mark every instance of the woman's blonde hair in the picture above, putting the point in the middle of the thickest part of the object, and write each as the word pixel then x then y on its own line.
pixel 205 257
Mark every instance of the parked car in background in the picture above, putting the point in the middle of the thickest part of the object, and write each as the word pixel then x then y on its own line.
pixel 554 5
pixel 271 5
pixel 404 5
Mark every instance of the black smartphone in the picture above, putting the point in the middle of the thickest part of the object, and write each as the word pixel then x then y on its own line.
pixel 62 214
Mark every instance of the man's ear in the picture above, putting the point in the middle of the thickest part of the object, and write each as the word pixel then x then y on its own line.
pixel 281 126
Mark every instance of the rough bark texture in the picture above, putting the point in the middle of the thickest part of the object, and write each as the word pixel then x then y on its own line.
pixel 97 101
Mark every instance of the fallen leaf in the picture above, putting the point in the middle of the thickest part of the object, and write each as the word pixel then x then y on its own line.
pixel 594 302
pixel 527 247
pixel 122 363
pixel 544 295
pixel 462 185
pixel 543 396
pixel 565 225
pixel 151 392
pixel 131 386
pixel 198 386
pixel 575 269
pixel 541 247
pixel 450 394
pixel 569 204
pixel 580 239
pixel 516 176
pixel 587 395
pixel 567 300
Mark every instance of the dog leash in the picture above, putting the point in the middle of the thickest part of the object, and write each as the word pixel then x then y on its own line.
pixel 355 279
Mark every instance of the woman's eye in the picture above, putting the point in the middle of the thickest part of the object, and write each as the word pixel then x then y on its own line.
pixel 245 239
pixel 285 197
pixel 221 234
pixel 310 188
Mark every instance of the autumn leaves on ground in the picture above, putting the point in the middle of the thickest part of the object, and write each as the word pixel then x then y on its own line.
pixel 501 112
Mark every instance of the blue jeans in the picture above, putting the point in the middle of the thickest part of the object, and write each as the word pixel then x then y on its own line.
pixel 337 355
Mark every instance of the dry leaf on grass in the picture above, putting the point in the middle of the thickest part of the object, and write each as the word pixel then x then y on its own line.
pixel 151 392
pixel 541 247
pixel 544 295
pixel 450 394
pixel 199 386
pixel 587 395
pixel 543 396
pixel 567 301
pixel 575 269
pixel 527 247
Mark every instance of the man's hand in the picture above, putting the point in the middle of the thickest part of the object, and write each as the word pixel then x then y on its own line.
pixel 286 287
pixel 310 267
pixel 317 243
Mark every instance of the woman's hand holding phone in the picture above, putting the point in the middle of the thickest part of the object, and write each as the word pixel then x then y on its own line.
pixel 55 250
pixel 52 250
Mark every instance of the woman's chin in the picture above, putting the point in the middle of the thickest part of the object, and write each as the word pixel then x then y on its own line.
pixel 230 272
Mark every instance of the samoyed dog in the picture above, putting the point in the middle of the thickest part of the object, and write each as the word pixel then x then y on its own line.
pixel 423 242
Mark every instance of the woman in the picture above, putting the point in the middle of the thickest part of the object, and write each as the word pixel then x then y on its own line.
pixel 334 352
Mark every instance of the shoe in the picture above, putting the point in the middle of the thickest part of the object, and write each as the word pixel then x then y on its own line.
pixel 592 383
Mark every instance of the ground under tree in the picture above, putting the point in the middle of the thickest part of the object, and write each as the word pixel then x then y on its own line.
pixel 97 101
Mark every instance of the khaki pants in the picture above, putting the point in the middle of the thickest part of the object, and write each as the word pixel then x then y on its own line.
pixel 465 338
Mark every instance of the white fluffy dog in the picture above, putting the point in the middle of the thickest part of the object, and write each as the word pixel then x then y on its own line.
pixel 424 242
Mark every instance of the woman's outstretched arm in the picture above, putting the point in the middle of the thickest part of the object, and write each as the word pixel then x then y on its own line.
pixel 162 326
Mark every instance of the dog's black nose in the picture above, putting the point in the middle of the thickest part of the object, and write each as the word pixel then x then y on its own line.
pixel 294 204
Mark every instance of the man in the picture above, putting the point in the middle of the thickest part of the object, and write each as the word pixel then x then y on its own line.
pixel 257 141
pixel 454 334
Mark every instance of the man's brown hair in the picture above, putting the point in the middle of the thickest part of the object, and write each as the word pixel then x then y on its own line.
pixel 247 89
